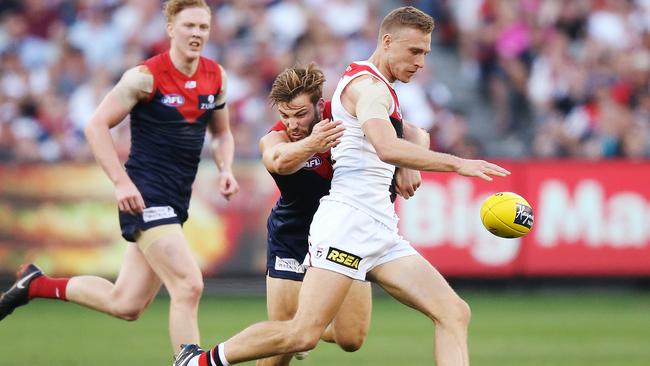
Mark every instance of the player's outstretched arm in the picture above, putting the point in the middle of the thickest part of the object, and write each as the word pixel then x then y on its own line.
pixel 223 143
pixel 371 103
pixel 135 84
pixel 402 153
pixel 282 156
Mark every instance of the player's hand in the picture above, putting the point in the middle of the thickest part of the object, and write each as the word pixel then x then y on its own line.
pixel 228 185
pixel 481 169
pixel 129 199
pixel 407 181
pixel 325 135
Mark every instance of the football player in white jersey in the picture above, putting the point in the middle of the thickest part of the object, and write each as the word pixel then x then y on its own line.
pixel 354 232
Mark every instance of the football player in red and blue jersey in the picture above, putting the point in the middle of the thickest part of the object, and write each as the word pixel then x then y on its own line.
pixel 172 99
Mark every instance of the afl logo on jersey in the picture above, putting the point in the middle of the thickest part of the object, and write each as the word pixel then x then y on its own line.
pixel 313 162
pixel 173 100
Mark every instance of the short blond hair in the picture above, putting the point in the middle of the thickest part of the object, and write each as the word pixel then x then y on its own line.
pixel 173 7
pixel 406 17
pixel 295 81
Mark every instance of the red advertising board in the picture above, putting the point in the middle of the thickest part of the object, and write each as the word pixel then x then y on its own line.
pixel 591 219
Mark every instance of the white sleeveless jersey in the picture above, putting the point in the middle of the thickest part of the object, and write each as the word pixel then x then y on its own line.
pixel 361 179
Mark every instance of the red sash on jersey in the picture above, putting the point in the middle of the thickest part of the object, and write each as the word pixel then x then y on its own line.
pixel 355 68
pixel 395 117
pixel 193 95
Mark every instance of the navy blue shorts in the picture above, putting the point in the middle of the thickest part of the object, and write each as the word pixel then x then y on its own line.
pixel 165 202
pixel 153 215
pixel 284 257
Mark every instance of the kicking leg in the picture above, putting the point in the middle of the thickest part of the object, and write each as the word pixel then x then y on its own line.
pixel 321 296
pixel 281 304
pixel 416 283
pixel 350 326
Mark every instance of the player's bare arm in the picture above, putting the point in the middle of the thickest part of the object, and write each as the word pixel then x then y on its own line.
pixel 282 156
pixel 136 84
pixel 402 153
pixel 222 142
pixel 371 107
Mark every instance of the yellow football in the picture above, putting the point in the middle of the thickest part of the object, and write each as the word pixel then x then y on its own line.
pixel 507 215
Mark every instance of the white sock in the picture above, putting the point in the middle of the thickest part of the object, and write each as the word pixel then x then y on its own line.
pixel 222 354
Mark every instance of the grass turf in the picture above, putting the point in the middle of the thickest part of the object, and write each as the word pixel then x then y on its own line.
pixel 594 329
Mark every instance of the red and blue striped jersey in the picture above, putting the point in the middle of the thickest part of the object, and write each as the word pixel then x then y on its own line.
pixel 168 130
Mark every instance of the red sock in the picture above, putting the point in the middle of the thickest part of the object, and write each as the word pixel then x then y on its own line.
pixel 49 288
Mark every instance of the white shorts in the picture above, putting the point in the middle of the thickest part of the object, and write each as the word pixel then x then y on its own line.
pixel 346 240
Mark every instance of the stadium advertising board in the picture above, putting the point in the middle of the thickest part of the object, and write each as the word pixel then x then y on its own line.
pixel 591 219
pixel 64 217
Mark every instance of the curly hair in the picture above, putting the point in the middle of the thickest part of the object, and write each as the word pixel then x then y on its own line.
pixel 295 81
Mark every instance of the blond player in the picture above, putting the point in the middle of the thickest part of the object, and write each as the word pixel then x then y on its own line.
pixel 354 235
pixel 172 99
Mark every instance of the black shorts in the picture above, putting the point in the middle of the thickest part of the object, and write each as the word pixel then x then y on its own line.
pixel 284 256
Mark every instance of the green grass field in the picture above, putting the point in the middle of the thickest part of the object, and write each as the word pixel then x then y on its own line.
pixel 507 330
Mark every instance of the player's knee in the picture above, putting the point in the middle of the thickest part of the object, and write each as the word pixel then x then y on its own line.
pixel 189 291
pixel 462 312
pixel 456 313
pixel 305 342
pixel 351 344
pixel 351 340
pixel 126 308
pixel 129 316
pixel 300 339
pixel 128 312
pixel 195 288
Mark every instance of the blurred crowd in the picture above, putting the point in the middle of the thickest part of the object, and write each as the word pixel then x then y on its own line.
pixel 566 78
pixel 572 78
